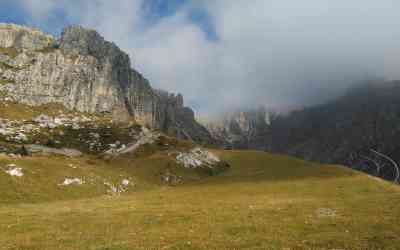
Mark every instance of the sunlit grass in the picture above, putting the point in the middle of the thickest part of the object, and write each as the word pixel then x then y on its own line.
pixel 263 202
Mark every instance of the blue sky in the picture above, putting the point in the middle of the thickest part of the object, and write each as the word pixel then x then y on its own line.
pixel 10 11
pixel 158 9
pixel 154 10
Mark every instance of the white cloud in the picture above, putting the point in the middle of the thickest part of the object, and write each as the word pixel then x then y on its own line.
pixel 38 9
pixel 273 52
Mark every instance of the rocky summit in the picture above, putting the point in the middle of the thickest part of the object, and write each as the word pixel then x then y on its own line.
pixel 84 72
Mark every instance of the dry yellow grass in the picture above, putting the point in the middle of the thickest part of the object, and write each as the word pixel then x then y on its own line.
pixel 263 202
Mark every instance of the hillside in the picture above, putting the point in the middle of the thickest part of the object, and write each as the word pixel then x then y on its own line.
pixel 263 202
pixel 344 131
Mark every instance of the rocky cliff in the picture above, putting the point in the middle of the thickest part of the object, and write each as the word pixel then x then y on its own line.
pixel 241 129
pixel 86 73
pixel 345 131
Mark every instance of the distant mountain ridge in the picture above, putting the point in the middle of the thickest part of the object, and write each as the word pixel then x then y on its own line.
pixel 344 131
pixel 84 72
pixel 241 129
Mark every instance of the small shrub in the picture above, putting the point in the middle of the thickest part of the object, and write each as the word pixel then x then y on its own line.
pixel 6 66
pixel 4 81
pixel 46 50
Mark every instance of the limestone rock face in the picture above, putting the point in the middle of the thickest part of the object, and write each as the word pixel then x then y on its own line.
pixel 23 38
pixel 178 120
pixel 241 129
pixel 84 72
pixel 77 83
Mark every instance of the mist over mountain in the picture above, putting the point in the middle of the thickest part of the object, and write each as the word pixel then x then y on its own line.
pixel 224 54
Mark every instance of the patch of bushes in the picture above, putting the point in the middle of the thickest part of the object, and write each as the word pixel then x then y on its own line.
pixel 46 50
pixel 3 94
pixel 4 81
pixel 218 169
pixel 50 49
pixel 172 142
pixel 67 137
pixel 6 66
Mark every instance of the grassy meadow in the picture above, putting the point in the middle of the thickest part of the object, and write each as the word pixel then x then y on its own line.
pixel 263 202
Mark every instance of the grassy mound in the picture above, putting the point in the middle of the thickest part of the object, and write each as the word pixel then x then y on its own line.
pixel 263 202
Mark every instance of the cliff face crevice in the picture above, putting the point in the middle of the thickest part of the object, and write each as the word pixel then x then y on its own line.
pixel 86 73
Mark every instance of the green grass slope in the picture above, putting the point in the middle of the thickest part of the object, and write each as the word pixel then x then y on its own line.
pixel 43 176
pixel 263 202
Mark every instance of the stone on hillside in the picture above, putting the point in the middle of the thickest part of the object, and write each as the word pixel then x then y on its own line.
pixel 170 178
pixel 145 137
pixel 45 121
pixel 197 157
pixel 326 212
pixel 20 137
pixel 13 170
pixel 15 156
pixel 117 189
pixel 72 181
pixel 203 159
pixel 76 126
pixel 3 131
pixel 125 182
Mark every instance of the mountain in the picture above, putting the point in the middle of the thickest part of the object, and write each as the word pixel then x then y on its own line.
pixel 360 129
pixel 83 72
pixel 240 129
pixel 345 131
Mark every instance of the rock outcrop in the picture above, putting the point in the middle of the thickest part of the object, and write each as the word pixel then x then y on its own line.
pixel 241 129
pixel 20 37
pixel 86 73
